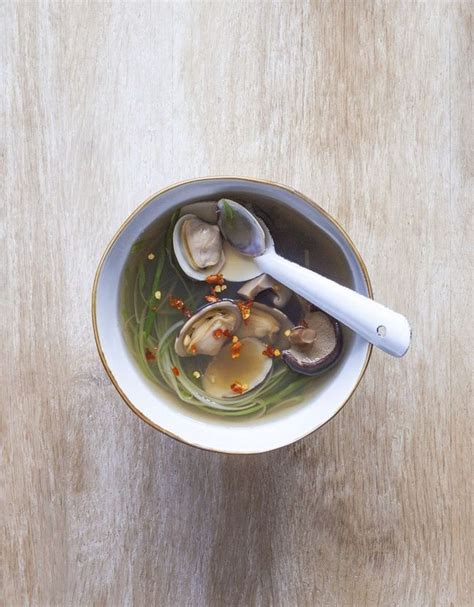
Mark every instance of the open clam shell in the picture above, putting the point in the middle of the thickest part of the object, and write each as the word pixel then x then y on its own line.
pixel 195 242
pixel 247 371
pixel 266 323
pixel 198 334
pixel 233 265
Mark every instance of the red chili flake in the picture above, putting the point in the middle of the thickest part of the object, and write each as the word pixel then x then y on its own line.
pixel 175 371
pixel 194 349
pixel 268 351
pixel 175 302
pixel 218 333
pixel 215 279
pixel 211 298
pixel 245 308
pixel 237 387
pixel 227 333
pixel 149 355
pixel 271 352
pixel 235 349
pixel 178 304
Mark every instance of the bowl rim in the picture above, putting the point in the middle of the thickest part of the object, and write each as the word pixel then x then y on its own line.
pixel 117 235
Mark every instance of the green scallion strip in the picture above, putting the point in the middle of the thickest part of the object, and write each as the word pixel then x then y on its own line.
pixel 150 313
pixel 149 324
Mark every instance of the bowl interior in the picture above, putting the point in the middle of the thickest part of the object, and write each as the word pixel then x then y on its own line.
pixel 332 254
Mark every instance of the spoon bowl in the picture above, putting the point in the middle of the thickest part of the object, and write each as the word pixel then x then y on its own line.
pixel 241 228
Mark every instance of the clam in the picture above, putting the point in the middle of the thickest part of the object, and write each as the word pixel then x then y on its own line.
pixel 227 377
pixel 203 333
pixel 198 247
pixel 266 323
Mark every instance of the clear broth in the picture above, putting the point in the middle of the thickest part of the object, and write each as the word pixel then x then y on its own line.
pixel 295 238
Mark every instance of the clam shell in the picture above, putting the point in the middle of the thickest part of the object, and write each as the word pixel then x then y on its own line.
pixel 196 320
pixel 182 257
pixel 278 339
pixel 250 369
pixel 235 266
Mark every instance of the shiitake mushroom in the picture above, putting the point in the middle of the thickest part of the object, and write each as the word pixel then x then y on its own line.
pixel 315 345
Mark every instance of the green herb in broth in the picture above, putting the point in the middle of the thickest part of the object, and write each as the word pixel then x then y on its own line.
pixel 141 277
pixel 228 210
pixel 151 325
pixel 138 245
pixel 152 308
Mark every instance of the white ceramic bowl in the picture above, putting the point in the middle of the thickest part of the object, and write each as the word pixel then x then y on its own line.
pixel 160 409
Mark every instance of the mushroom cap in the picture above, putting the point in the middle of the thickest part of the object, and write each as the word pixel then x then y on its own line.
pixel 253 287
pixel 197 334
pixel 302 336
pixel 249 369
pixel 313 358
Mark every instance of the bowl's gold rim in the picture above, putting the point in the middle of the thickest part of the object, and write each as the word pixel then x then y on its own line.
pixel 115 238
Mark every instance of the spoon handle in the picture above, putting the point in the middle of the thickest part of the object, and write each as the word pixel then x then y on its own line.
pixel 382 327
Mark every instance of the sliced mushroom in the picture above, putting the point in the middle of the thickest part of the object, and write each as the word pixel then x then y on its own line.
pixel 315 346
pixel 246 372
pixel 203 333
pixel 266 323
pixel 198 247
pixel 252 288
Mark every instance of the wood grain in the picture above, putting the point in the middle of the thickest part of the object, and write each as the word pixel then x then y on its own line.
pixel 367 108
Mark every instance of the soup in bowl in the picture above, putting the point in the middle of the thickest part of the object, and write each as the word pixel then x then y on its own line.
pixel 204 347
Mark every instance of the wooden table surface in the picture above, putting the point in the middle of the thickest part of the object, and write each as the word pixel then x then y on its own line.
pixel 364 107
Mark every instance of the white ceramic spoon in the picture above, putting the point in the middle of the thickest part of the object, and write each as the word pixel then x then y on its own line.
pixel 380 326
